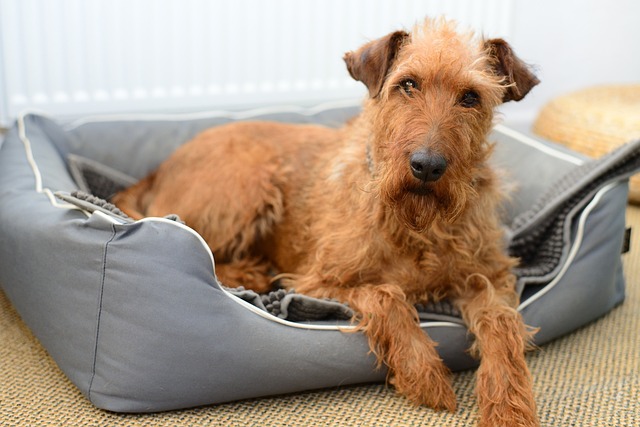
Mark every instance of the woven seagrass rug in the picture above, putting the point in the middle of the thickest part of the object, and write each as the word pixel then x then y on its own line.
pixel 588 378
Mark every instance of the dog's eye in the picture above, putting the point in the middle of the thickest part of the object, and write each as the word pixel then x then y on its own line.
pixel 470 99
pixel 408 86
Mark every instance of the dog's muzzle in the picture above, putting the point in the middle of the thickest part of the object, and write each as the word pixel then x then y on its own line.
pixel 427 166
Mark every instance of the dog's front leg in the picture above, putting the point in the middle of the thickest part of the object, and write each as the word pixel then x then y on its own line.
pixel 392 328
pixel 504 385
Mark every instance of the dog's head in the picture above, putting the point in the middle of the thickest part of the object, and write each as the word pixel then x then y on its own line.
pixel 432 94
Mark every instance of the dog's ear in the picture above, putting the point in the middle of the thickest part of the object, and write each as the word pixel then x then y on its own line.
pixel 519 79
pixel 371 63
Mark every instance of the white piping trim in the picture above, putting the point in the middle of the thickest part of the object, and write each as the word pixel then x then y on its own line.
pixel 235 115
pixel 532 142
pixel 22 134
pixel 574 248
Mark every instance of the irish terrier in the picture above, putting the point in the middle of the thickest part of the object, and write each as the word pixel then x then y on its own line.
pixel 397 207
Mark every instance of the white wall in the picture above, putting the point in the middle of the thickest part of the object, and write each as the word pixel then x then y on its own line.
pixel 574 44
pixel 70 57
pixel 82 57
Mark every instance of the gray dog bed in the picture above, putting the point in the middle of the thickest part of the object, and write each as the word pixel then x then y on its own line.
pixel 132 312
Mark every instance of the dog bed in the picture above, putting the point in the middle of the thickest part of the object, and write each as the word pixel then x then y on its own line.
pixel 132 312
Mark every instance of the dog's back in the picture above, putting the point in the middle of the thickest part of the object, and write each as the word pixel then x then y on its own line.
pixel 230 182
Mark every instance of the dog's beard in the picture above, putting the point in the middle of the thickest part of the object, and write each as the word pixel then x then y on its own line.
pixel 418 205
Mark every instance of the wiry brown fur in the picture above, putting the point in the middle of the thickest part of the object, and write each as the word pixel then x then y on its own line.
pixel 340 214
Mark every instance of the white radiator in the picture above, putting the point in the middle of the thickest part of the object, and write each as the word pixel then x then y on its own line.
pixel 71 57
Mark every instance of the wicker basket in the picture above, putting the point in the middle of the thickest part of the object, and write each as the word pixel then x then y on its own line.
pixel 594 121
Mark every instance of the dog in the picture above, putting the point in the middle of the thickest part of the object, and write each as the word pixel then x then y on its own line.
pixel 399 206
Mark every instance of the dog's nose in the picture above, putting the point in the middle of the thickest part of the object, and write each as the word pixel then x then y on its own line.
pixel 426 166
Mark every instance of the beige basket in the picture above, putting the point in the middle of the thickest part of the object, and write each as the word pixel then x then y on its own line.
pixel 594 121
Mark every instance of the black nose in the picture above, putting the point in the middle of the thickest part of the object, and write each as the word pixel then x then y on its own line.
pixel 426 166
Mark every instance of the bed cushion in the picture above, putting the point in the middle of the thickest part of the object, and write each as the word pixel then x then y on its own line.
pixel 132 312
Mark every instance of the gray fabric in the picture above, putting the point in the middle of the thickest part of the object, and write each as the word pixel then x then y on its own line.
pixel 539 235
pixel 578 183
pixel 132 311
pixel 97 179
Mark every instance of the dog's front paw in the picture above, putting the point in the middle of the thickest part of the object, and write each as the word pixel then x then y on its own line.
pixel 505 399
pixel 430 385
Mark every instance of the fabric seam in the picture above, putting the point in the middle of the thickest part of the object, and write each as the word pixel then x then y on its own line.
pixel 33 164
pixel 99 316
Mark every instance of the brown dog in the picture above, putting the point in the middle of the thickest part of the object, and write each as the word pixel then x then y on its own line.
pixel 396 208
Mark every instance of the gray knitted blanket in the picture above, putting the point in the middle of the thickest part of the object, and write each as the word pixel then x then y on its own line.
pixel 539 236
